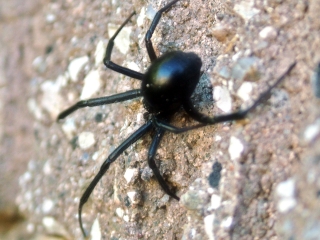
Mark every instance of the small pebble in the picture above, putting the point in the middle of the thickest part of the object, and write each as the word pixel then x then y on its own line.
pixel 245 69
pixel 235 148
pixel 86 140
pixel 54 228
pixel 92 84
pixel 75 66
pixel 223 98
pixel 146 174
pixel 312 131
pixel 47 206
pixel 220 32
pixel 95 230
pixel 286 193
pixel 208 226
pixel 215 201
pixel 131 174
pixel 99 53
pixel 268 33
pixel 69 128
pixel 141 17
pixel 151 12
pixel 227 222
pixel 120 212
pixel 193 200
pixel 246 9
pixel 245 90
pixel 134 197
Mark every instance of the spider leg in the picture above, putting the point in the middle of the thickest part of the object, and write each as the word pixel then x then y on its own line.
pixel 105 166
pixel 241 114
pixel 115 67
pixel 170 128
pixel 207 120
pixel 155 21
pixel 152 164
pixel 101 101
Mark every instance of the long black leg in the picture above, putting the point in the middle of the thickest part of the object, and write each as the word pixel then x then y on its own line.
pixel 194 113
pixel 115 67
pixel 207 120
pixel 101 101
pixel 151 154
pixel 105 166
pixel 170 128
pixel 155 21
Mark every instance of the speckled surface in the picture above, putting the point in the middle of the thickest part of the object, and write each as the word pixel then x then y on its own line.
pixel 239 42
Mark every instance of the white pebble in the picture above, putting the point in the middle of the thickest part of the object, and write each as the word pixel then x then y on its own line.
pixel 95 230
pixel 26 177
pixel 99 53
pixel 223 99
pixel 131 174
pixel 69 128
pixel 312 131
pixel 51 99
pixel 126 218
pixel 122 42
pixel 134 197
pixel 86 140
pixel 151 12
pixel 47 169
pixel 92 84
pixel 244 91
pixel 120 212
pixel 208 226
pixel 286 191
pixel 235 148
pixel 217 138
pixel 39 64
pixel 47 206
pixel 268 33
pixel 246 10
pixel 286 204
pixel 215 201
pixel 286 188
pixel 134 66
pixel 50 18
pixel 53 227
pixel 76 65
pixel 226 223
pixel 141 17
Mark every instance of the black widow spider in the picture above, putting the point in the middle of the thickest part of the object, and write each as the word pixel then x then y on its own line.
pixel 166 86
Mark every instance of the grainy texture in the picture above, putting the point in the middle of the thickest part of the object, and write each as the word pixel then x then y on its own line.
pixel 238 42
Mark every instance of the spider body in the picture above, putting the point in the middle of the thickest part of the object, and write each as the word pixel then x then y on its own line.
pixel 166 86
pixel 169 81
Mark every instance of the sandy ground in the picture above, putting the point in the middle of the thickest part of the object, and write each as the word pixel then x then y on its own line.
pixel 251 179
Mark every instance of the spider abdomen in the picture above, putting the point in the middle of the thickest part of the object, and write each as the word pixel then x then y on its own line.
pixel 170 79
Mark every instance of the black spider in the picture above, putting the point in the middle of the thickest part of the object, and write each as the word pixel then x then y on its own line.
pixel 166 86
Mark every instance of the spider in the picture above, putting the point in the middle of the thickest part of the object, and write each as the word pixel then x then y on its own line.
pixel 166 87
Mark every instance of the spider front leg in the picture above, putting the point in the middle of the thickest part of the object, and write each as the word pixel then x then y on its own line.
pixel 100 101
pixel 155 21
pixel 241 114
pixel 105 166
pixel 208 120
pixel 115 67
pixel 151 154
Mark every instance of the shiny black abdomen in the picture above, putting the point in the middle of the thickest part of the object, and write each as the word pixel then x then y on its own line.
pixel 169 80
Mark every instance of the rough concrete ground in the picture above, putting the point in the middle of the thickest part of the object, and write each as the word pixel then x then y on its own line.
pixel 269 191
